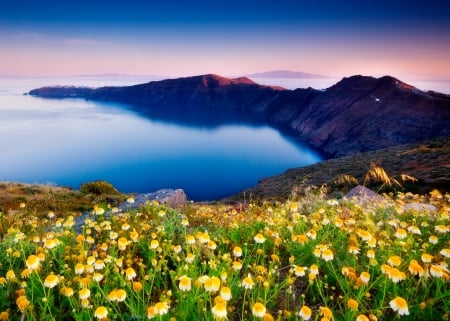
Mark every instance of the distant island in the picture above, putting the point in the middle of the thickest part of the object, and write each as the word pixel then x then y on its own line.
pixel 357 114
pixel 285 74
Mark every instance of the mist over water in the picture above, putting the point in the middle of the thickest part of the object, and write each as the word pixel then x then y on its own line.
pixel 71 141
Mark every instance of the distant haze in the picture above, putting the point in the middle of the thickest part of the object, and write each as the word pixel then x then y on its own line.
pixel 409 40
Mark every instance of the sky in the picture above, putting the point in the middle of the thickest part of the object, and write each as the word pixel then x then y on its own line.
pixel 336 38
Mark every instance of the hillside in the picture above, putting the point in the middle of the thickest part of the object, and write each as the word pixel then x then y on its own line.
pixel 428 162
pixel 357 114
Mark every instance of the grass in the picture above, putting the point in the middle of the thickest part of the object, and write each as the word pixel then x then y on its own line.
pixel 312 258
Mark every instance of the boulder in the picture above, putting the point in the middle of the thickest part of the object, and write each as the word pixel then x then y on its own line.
pixel 363 195
pixel 170 197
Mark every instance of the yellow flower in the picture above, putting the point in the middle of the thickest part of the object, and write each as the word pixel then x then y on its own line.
pixel 151 312
pixel 130 273
pixel 22 302
pixel 185 283
pixel 399 305
pixel 32 262
pixel 364 277
pixel 84 293
pixel 362 317
pixel 305 313
pixel 225 293
pixel 154 244
pixel 190 239
pixel 445 252
pixel 189 258
pixel 436 271
pixel 395 260
pixel 314 269
pixel 395 275
pixel 99 264
pixel 101 312
pixel 326 313
pixel 212 284
pixel 415 268
pixel 161 308
pixel 51 281
pixel 237 265
pixel 352 304
pixel 219 310
pixel 137 286
pixel 4 316
pixel 10 275
pixel 433 239
pixel 300 270
pixel 66 291
pixel 258 310
pixel 426 258
pixel 327 255
pixel 237 251
pixel 401 233
pixel 248 283
pixel 259 238
pixel 122 243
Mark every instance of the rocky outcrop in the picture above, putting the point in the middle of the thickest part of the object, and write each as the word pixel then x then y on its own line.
pixel 357 114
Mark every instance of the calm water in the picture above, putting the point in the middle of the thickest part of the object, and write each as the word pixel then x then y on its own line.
pixel 68 142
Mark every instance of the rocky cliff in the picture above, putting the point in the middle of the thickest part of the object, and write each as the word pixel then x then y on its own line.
pixel 355 115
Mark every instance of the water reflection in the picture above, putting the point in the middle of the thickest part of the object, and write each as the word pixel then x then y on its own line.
pixel 71 141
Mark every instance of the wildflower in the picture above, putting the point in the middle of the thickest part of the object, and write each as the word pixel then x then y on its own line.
pixel 237 265
pixel 364 277
pixel 97 277
pixel 395 275
pixel 352 249
pixel 2 281
pixel 327 255
pixel 151 312
pixel 66 291
pixel 154 244
pixel 84 293
pixel 22 303
pixel 101 312
pixel 51 244
pixel 300 270
pixel 130 273
pixel 436 271
pixel 185 283
pixel 401 234
pixel 237 251
pixel 352 304
pixel 370 254
pixel 414 230
pixel 433 239
pixel 122 243
pixel 268 317
pixel 445 252
pixel 364 235
pixel 79 268
pixel 189 258
pixel 51 281
pixel 399 305
pixel 137 286
pixel 99 264
pixel 10 275
pixel 426 258
pixel 362 317
pixel 190 239
pixel 130 200
pixel 161 308
pixel 441 229
pixel 212 284
pixel 305 313
pixel 219 310
pixel 395 260
pixel 415 268
pixel 259 238
pixel 32 262
pixel 225 293
pixel 248 283
pixel 134 236
pixel 326 313
pixel 4 315
pixel 314 269
pixel 259 310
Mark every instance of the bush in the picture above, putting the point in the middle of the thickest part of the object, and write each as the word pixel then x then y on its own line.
pixel 98 188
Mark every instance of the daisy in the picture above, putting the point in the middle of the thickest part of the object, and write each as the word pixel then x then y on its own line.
pixel 399 305
pixel 305 313
pixel 259 310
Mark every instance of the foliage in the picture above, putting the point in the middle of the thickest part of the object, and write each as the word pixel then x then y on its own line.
pixel 294 260
pixel 97 188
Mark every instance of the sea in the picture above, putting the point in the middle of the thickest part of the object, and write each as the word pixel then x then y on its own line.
pixel 67 142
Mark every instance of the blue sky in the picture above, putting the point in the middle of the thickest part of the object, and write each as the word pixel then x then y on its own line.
pixel 407 39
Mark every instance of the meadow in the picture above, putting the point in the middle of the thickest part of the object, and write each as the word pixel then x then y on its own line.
pixel 311 258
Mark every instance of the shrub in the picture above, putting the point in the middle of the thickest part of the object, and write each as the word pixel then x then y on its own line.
pixel 98 188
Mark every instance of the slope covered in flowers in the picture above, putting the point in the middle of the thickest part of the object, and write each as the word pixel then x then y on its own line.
pixel 309 259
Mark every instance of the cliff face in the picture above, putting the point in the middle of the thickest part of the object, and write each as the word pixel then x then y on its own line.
pixel 357 114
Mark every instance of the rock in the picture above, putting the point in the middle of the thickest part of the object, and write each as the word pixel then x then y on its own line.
pixel 171 197
pixel 363 195
pixel 420 207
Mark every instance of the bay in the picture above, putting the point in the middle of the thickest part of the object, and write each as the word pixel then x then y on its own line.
pixel 71 141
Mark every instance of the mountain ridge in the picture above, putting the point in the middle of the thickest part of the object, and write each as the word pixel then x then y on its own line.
pixel 357 114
